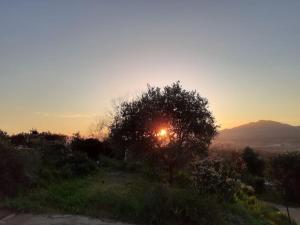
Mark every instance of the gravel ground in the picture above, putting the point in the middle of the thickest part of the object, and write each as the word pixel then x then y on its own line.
pixel 9 218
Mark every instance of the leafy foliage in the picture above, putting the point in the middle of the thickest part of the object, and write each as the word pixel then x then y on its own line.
pixel 12 170
pixel 216 176
pixel 58 161
pixel 90 146
pixel 255 165
pixel 286 174
pixel 254 175
pixel 184 116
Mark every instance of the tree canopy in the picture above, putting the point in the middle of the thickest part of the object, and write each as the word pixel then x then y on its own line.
pixel 171 119
pixel 286 173
pixel 255 164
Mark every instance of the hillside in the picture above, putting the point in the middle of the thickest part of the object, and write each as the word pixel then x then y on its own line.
pixel 263 133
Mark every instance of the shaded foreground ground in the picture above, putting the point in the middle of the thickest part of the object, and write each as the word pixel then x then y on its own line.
pixel 9 218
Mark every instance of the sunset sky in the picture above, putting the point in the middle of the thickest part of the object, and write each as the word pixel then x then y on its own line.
pixel 63 62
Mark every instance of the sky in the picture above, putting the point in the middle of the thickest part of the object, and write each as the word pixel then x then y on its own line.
pixel 63 62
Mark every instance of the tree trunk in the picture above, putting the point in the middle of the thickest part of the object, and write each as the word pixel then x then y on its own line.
pixel 288 213
pixel 285 198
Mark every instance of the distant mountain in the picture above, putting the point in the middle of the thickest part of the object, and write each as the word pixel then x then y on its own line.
pixel 263 133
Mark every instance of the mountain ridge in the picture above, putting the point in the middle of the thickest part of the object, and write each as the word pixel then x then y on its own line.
pixel 261 122
pixel 261 133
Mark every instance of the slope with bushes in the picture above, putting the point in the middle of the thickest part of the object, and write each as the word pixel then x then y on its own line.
pixel 121 191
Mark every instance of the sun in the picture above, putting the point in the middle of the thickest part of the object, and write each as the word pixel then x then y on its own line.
pixel 162 133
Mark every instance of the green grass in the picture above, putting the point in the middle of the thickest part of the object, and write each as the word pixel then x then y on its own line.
pixel 82 195
pixel 134 197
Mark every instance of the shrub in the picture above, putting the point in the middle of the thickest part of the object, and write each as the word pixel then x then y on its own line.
pixel 92 147
pixel 78 164
pixel 19 139
pixel 163 205
pixel 255 164
pixel 286 174
pixel 215 176
pixel 12 171
pixel 260 212
pixel 259 184
pixel 59 161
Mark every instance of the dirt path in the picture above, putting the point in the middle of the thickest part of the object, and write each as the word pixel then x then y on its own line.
pixel 294 212
pixel 9 218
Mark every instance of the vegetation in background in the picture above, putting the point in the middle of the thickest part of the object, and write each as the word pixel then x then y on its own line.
pixel 90 146
pixel 255 169
pixel 13 174
pixel 286 174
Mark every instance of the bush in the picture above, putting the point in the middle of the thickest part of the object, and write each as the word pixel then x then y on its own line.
pixel 255 164
pixel 215 177
pixel 92 147
pixel 260 212
pixel 259 184
pixel 163 205
pixel 78 164
pixel 286 175
pixel 12 171
pixel 58 161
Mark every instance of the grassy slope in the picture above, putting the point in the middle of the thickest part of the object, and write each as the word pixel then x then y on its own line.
pixel 135 198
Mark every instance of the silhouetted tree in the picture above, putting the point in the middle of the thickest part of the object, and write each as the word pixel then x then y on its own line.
pixel 19 139
pixel 92 147
pixel 99 129
pixel 286 174
pixel 170 126
pixel 255 165
pixel 3 136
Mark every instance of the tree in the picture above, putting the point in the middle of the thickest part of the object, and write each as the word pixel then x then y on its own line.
pixel 170 126
pixel 3 136
pixel 286 174
pixel 255 164
pixel 99 129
